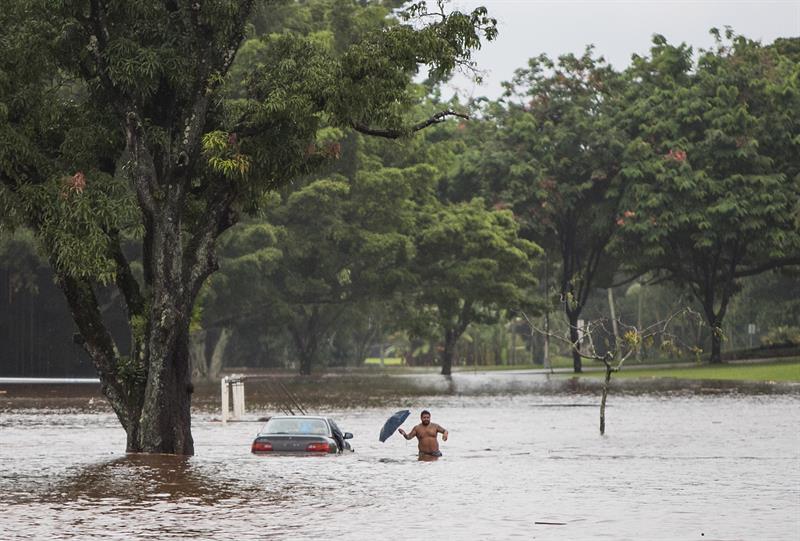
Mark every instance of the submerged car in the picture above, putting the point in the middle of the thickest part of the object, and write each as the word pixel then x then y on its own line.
pixel 301 434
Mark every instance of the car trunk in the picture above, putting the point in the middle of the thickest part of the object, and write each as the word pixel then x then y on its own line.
pixel 293 443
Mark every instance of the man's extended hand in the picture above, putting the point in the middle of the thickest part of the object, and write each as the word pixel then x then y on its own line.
pixel 403 432
pixel 444 436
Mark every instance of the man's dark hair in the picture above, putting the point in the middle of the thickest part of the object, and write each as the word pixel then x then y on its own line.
pixel 424 412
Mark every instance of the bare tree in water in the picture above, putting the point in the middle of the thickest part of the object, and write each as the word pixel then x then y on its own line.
pixel 628 341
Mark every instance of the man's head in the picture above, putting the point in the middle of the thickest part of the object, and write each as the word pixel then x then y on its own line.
pixel 426 417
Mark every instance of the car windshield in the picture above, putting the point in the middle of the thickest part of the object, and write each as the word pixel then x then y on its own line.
pixel 316 427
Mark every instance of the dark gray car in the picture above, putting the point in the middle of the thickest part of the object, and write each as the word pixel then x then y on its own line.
pixel 301 434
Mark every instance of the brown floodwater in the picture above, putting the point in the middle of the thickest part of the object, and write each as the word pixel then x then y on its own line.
pixel 517 466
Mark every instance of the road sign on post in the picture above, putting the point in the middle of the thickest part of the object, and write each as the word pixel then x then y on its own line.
pixel 751 330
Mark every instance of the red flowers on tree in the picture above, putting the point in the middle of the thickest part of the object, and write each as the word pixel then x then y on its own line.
pixel 77 182
pixel 676 155
pixel 626 214
pixel 74 184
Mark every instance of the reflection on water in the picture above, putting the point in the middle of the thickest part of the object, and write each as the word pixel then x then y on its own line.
pixel 136 479
pixel 515 467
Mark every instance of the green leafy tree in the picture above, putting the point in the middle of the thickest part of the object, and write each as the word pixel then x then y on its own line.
pixel 470 264
pixel 555 161
pixel 116 122
pixel 343 244
pixel 715 158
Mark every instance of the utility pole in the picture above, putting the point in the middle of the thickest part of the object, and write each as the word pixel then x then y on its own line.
pixel 546 352
pixel 380 337
pixel 613 318
pixel 639 319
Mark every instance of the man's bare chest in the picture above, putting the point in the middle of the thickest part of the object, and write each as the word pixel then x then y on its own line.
pixel 429 431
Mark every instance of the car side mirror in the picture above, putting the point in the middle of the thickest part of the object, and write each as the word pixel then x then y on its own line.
pixel 348 435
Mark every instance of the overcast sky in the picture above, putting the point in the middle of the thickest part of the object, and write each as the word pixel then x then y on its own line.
pixel 616 28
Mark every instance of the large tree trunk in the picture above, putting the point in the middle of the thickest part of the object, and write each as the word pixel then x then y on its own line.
pixel 166 420
pixel 716 341
pixel 450 339
pixel 311 332
pixel 306 341
pixel 307 361
pixel 714 319
pixel 166 416
pixel 716 347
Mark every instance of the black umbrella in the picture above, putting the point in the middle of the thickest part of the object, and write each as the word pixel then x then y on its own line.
pixel 393 423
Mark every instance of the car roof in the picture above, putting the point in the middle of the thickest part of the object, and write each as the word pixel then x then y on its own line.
pixel 298 417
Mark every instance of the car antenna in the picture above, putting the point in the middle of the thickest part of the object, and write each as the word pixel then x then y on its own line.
pixel 292 398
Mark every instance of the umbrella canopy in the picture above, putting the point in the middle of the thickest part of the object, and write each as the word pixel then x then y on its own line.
pixel 393 423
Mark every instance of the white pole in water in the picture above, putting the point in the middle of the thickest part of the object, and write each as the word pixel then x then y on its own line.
pixel 224 396
pixel 238 399
pixel 241 399
pixel 235 398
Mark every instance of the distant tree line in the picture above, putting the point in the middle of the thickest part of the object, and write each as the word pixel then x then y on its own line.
pixel 671 183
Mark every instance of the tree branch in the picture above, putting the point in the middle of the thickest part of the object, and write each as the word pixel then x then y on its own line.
pixel 98 19
pixel 98 47
pixel 438 118
pixel 629 280
pixel 144 174
pixel 97 341
pixel 199 259
pixel 773 264
pixel 208 78
pixel 126 282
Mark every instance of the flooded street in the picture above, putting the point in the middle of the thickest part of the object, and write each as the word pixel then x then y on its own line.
pixel 669 467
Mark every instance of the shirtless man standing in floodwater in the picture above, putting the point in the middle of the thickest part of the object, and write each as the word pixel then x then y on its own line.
pixel 426 432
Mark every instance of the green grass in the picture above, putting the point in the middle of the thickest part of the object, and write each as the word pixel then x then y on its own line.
pixel 555 361
pixel 562 361
pixel 387 361
pixel 752 372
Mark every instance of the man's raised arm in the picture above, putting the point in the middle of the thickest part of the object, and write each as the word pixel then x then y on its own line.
pixel 409 435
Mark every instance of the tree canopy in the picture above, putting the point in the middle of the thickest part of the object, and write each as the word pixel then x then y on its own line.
pixel 471 264
pixel 713 162
pixel 554 157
